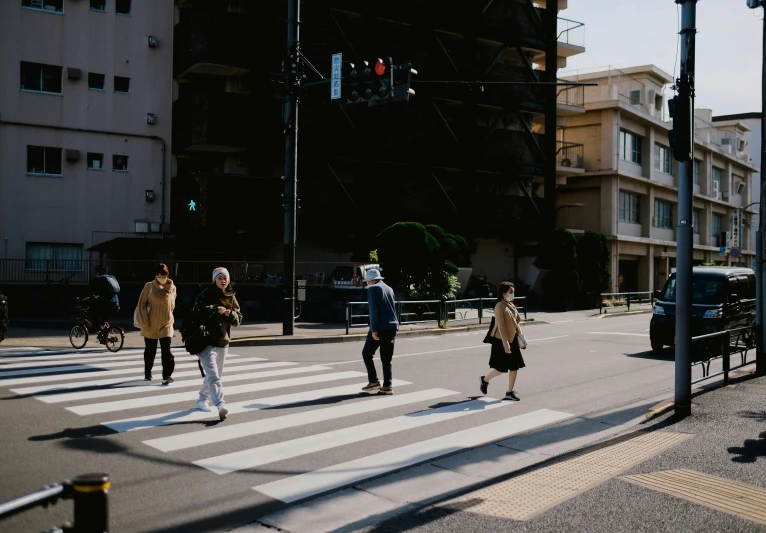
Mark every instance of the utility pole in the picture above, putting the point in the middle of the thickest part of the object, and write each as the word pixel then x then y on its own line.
pixel 683 133
pixel 293 71
pixel 550 21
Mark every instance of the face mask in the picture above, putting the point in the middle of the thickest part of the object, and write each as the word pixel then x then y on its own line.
pixel 508 297
pixel 162 279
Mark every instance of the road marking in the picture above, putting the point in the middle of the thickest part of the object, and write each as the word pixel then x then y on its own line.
pixel 182 384
pixel 312 483
pixel 258 427
pixel 280 451
pixel 614 333
pixel 68 357
pixel 63 387
pixel 191 397
pixel 191 415
pixel 95 371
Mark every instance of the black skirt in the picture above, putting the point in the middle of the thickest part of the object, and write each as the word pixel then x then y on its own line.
pixel 504 362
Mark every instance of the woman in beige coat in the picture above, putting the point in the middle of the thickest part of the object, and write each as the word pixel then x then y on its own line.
pixel 154 315
pixel 506 353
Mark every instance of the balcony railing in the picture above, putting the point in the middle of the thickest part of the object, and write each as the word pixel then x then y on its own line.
pixel 569 154
pixel 571 32
pixel 573 96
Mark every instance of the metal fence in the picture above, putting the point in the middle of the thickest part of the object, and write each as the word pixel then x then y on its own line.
pixel 723 344
pixel 90 493
pixel 623 300
pixel 339 275
pixel 421 311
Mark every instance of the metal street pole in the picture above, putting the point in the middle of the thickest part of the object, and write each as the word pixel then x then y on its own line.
pixel 760 355
pixel 685 237
pixel 292 70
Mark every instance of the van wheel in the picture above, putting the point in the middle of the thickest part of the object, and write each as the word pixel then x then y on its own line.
pixel 657 346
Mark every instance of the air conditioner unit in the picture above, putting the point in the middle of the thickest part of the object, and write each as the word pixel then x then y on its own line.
pixel 634 95
pixel 725 195
pixel 715 189
pixel 71 155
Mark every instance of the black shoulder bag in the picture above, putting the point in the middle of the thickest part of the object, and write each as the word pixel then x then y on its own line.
pixel 488 338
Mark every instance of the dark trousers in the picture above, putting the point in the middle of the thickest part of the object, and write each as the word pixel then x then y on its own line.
pixel 104 313
pixel 168 362
pixel 386 344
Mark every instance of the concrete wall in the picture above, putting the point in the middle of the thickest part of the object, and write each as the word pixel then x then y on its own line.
pixel 74 207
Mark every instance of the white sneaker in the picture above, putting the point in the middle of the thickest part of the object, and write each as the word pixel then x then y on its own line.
pixel 202 405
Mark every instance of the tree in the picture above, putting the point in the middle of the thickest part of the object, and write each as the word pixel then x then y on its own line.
pixel 593 260
pixel 558 255
pixel 408 252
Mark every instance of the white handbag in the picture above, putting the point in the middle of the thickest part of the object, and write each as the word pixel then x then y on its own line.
pixel 522 341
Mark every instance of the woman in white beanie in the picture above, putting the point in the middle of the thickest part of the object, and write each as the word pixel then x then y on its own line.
pixel 218 309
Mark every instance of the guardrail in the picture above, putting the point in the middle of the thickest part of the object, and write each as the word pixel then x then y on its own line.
pixel 90 493
pixel 624 299
pixel 721 343
pixel 419 311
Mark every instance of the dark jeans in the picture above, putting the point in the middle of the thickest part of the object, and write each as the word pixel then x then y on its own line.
pixel 386 344
pixel 104 312
pixel 168 362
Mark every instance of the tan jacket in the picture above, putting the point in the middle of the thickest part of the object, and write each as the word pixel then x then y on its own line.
pixel 155 309
pixel 507 320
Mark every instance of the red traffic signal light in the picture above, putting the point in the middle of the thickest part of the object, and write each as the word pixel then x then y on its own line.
pixel 380 67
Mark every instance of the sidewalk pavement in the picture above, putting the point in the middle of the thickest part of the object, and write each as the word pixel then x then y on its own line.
pixel 704 473
pixel 52 332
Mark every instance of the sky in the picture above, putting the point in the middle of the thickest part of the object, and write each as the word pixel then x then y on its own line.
pixel 628 33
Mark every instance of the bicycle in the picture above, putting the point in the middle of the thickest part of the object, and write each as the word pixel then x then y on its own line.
pixel 112 337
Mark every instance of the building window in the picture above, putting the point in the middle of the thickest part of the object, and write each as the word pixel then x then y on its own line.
pixel 96 81
pixel 44 161
pixel 122 7
pixel 717 229
pixel 95 161
pixel 697 164
pixel 42 256
pixel 120 163
pixel 717 182
pixel 121 85
pixel 98 5
pixel 663 214
pixel 56 6
pixel 630 207
pixel 696 221
pixel 40 78
pixel 630 147
pixel 662 160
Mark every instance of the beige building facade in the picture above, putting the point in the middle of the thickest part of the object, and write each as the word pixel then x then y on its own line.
pixel 628 189
pixel 85 123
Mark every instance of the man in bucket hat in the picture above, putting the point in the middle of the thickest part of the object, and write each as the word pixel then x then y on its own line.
pixel 383 328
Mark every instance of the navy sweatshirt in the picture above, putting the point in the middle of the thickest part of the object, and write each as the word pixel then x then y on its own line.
pixel 380 298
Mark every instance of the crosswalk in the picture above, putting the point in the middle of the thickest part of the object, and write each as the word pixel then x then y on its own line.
pixel 318 406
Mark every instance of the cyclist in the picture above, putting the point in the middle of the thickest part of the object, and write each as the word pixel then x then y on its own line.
pixel 3 315
pixel 104 289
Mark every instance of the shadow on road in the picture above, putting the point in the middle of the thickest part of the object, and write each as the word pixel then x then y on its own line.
pixel 75 433
pixel 664 355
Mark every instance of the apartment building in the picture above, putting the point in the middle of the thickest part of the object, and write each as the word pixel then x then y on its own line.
pixel 628 188
pixel 85 122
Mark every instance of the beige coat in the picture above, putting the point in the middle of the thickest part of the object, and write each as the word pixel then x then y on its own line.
pixel 507 321
pixel 155 309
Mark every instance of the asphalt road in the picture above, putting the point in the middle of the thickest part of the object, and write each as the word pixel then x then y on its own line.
pixel 83 417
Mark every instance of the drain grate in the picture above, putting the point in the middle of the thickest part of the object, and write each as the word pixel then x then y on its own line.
pixel 527 495
pixel 733 497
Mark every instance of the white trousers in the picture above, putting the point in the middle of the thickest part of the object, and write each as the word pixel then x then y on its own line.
pixel 212 359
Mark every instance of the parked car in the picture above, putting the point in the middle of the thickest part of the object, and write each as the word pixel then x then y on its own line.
pixel 722 298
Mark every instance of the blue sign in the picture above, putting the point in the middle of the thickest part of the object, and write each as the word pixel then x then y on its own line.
pixel 722 250
pixel 335 78
pixel 734 252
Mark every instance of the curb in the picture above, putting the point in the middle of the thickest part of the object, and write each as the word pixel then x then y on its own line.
pixel 624 313
pixel 355 337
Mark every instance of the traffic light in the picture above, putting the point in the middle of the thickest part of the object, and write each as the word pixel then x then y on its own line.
pixel 370 82
pixel 681 135
pixel 402 82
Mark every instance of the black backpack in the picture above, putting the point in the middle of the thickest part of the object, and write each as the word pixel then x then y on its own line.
pixel 111 287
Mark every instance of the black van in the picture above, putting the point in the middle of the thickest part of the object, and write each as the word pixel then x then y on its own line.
pixel 722 298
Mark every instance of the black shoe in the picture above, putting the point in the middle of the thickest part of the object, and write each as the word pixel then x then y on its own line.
pixel 483 385
pixel 512 396
pixel 147 377
pixel 168 381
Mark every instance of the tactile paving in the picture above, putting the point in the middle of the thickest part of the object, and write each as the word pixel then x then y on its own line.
pixel 733 497
pixel 527 495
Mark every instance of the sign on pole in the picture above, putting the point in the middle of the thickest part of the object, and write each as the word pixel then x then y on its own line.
pixel 734 252
pixel 337 67
pixel 735 229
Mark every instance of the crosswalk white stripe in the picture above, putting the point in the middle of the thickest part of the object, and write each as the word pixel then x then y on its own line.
pixel 182 384
pixel 135 403
pixel 33 362
pixel 67 357
pixel 302 486
pixel 258 427
pixel 63 387
pixel 280 451
pixel 36 375
pixel 193 415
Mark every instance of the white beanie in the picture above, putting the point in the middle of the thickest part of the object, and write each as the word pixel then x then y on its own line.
pixel 220 270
